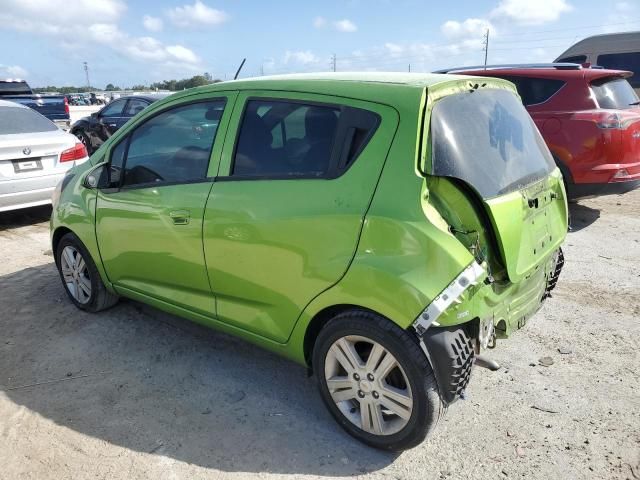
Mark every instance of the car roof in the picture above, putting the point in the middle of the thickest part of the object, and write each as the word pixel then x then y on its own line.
pixel 7 103
pixel 620 42
pixel 359 85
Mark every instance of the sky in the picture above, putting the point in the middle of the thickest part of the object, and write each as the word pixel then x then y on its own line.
pixel 128 42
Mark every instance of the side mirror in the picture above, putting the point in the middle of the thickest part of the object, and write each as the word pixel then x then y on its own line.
pixel 96 178
pixel 94 115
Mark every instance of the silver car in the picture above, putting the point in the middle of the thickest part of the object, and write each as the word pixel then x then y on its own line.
pixel 34 156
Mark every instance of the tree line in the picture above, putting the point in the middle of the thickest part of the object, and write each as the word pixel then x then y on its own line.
pixel 172 85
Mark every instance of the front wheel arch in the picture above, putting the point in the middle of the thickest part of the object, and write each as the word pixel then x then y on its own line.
pixel 55 239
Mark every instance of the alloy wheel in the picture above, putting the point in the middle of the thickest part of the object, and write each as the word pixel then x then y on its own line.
pixel 368 385
pixel 75 274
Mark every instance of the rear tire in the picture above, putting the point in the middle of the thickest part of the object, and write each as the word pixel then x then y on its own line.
pixel 80 277
pixel 391 411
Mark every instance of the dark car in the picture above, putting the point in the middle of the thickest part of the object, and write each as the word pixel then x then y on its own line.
pixel 95 129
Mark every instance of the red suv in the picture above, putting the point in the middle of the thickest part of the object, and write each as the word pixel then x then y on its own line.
pixel 589 117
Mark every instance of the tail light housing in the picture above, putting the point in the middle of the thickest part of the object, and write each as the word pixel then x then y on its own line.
pixel 66 105
pixel 608 119
pixel 77 152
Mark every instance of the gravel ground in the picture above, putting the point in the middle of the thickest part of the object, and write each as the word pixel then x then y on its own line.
pixel 135 393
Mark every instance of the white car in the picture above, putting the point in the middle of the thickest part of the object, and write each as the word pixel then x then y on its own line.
pixel 34 156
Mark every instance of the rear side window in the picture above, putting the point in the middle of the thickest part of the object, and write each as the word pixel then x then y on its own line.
pixel 171 147
pixel 15 120
pixel 575 59
pixel 623 61
pixel 617 94
pixel 290 139
pixel 535 90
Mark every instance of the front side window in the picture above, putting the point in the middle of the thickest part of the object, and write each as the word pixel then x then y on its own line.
pixel 286 139
pixel 623 61
pixel 114 109
pixel 487 139
pixel 617 94
pixel 171 147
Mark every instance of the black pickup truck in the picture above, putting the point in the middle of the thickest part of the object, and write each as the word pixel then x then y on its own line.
pixel 54 107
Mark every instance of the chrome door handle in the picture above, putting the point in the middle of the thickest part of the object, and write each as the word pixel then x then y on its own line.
pixel 180 217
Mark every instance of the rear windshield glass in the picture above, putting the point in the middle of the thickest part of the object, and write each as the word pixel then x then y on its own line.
pixel 14 88
pixel 618 94
pixel 23 120
pixel 487 139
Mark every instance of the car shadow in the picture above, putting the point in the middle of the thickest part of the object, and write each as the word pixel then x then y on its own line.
pixel 24 217
pixel 582 216
pixel 153 383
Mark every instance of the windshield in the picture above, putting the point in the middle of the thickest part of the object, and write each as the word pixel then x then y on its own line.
pixel 487 139
pixel 23 120
pixel 618 94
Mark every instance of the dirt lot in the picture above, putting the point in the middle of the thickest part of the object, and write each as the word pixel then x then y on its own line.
pixel 134 393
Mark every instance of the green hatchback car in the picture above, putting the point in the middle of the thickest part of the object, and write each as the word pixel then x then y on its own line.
pixel 380 229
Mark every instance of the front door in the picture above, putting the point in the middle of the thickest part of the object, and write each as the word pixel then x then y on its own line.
pixel 149 220
pixel 285 213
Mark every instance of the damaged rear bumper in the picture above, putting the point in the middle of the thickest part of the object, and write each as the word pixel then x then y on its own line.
pixel 481 313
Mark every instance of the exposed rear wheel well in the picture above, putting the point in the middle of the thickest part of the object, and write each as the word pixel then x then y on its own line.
pixel 319 321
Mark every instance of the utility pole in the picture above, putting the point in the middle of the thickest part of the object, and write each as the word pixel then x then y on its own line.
pixel 409 68
pixel 333 61
pixel 86 72
pixel 486 48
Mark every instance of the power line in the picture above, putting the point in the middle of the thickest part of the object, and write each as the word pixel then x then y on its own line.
pixel 519 35
pixel 372 60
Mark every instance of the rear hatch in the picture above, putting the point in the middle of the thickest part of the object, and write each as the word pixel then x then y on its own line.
pixel 484 137
pixel 619 119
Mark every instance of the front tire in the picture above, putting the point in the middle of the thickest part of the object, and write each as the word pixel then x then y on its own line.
pixel 80 276
pixel 376 381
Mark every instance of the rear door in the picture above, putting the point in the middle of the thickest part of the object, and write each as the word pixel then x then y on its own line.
pixel 284 215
